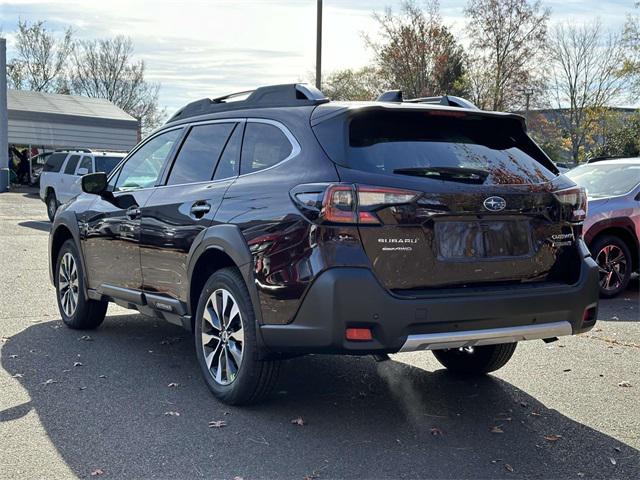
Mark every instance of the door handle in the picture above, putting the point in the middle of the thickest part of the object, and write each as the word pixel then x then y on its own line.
pixel 133 212
pixel 199 209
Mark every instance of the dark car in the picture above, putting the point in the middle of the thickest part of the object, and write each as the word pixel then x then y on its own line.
pixel 612 227
pixel 280 223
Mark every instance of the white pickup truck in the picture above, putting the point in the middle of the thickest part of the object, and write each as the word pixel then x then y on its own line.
pixel 60 177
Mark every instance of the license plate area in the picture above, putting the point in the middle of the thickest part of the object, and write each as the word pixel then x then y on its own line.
pixel 483 239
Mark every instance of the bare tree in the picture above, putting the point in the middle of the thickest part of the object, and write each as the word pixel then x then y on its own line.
pixel 507 37
pixel 417 53
pixel 41 59
pixel 106 69
pixel 586 75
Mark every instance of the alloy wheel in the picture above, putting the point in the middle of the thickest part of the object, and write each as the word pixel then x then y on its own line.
pixel 612 265
pixel 68 284
pixel 51 205
pixel 222 336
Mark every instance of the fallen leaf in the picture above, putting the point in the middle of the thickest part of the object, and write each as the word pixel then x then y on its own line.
pixel 580 474
pixel 615 318
pixel 86 338
pixel 217 424
pixel 17 375
pixel 77 364
pixel 50 381
pixel 298 421
pixel 496 429
pixel 617 449
pixel 13 356
pixel 552 438
pixel 624 384
pixel 102 376
pixel 96 472
pixel 172 414
pixel 508 467
pixel 173 385
pixel 535 414
pixel 613 461
pixel 435 431
pixel 82 388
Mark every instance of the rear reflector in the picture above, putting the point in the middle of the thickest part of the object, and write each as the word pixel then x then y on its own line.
pixel 358 334
pixel 589 315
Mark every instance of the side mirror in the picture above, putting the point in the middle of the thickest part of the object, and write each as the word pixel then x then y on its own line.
pixel 82 171
pixel 95 183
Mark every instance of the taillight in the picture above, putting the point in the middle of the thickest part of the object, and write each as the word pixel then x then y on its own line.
pixel 574 203
pixel 345 203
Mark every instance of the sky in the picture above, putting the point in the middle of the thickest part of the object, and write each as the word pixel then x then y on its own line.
pixel 197 49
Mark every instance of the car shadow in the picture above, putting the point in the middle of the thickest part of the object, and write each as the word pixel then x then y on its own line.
pixel 42 225
pixel 128 399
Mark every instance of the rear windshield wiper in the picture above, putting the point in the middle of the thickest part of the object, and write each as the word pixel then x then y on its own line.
pixel 451 174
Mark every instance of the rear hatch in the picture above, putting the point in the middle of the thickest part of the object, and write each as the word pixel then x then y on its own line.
pixel 450 198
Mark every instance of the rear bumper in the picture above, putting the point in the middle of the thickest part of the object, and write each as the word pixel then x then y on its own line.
pixel 352 297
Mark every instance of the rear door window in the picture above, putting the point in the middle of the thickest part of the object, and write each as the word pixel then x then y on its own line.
pixel 264 145
pixel 72 163
pixel 85 163
pixel 230 159
pixel 442 145
pixel 54 162
pixel 197 159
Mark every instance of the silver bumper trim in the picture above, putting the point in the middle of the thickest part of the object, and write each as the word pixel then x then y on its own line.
pixel 491 336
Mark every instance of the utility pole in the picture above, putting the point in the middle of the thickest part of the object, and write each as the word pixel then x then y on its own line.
pixel 319 46
pixel 4 119
pixel 528 92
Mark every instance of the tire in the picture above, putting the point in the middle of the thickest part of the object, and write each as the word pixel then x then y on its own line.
pixel 614 264
pixel 77 311
pixel 476 360
pixel 228 352
pixel 52 205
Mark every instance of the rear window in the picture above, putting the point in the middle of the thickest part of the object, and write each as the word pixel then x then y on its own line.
pixel 442 145
pixel 106 164
pixel 54 162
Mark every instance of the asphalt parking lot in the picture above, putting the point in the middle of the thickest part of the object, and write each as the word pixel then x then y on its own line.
pixel 128 401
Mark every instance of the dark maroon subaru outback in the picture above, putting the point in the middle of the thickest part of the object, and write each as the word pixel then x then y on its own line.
pixel 277 223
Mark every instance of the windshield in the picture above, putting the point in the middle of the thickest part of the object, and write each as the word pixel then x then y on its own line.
pixel 106 164
pixel 606 180
pixel 443 145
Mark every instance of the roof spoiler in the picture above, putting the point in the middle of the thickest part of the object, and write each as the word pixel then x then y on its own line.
pixel 286 95
pixel 446 100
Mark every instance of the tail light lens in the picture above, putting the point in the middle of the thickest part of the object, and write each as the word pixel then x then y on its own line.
pixel 353 204
pixel 573 202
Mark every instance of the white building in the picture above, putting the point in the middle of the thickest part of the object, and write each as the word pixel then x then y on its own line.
pixel 49 121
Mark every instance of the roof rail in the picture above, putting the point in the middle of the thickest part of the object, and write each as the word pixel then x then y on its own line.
pixel 286 95
pixel 446 100
pixel 605 157
pixel 84 150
